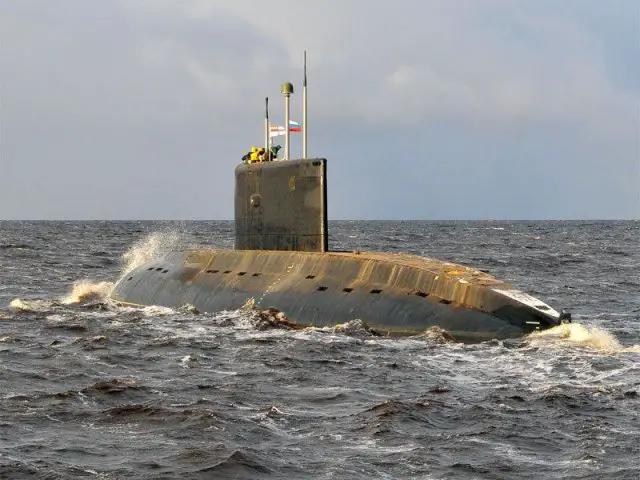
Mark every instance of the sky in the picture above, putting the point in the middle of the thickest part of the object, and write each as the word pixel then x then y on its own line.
pixel 425 109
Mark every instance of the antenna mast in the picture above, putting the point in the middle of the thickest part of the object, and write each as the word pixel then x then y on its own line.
pixel 304 109
pixel 267 153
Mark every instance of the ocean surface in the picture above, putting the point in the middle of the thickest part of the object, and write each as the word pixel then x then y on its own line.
pixel 89 389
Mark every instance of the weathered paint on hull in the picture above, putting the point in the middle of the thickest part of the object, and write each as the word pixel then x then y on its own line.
pixel 392 293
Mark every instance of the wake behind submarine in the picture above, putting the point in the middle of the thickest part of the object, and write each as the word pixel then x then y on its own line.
pixel 281 259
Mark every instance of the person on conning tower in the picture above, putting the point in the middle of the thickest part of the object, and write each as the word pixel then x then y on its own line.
pixel 273 152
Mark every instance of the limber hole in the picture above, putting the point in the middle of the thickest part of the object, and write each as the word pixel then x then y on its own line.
pixel 376 291
pixel 129 278
pixel 150 268
pixel 159 269
pixel 227 271
pixel 165 271
pixel 421 294
pixel 309 277
pixel 256 274
pixel 446 302
pixel 322 289
pixel 347 290
pixel 213 271
pixel 240 274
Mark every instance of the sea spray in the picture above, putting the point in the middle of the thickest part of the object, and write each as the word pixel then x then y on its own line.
pixel 144 250
pixel 152 246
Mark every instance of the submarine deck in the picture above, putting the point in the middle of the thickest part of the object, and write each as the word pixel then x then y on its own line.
pixel 399 261
pixel 439 267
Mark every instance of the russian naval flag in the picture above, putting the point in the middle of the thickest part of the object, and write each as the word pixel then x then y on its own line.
pixel 275 130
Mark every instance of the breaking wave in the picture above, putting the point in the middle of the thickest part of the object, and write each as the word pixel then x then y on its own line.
pixel 84 290
pixel 81 292
pixel 576 334
pixel 20 305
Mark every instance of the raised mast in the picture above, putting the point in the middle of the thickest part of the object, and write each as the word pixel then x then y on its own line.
pixel 304 109
pixel 267 153
pixel 287 90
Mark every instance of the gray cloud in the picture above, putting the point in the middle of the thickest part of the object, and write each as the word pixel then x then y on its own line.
pixel 476 62
pixel 468 109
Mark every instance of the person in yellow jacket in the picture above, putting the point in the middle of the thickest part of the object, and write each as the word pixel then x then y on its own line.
pixel 253 156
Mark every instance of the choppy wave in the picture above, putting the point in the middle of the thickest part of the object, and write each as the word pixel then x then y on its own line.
pixel 92 388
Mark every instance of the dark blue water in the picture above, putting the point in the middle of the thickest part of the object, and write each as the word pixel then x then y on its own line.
pixel 92 390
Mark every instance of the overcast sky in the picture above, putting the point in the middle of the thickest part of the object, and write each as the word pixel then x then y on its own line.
pixel 425 109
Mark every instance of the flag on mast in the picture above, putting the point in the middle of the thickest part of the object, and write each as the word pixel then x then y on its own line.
pixel 278 130
pixel 294 126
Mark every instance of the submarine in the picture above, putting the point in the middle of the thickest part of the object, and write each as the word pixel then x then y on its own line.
pixel 281 259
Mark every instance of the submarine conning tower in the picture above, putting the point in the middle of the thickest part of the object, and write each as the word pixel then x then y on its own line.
pixel 282 205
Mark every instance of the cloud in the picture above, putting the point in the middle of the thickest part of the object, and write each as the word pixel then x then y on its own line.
pixel 122 100
pixel 490 63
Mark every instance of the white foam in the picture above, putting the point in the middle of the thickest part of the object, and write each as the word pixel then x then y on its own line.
pixel 29 305
pixel 579 335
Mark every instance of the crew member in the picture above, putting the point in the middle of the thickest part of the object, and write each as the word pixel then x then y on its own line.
pixel 273 152
pixel 253 156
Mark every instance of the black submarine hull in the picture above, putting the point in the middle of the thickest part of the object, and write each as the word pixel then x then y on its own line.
pixel 394 294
